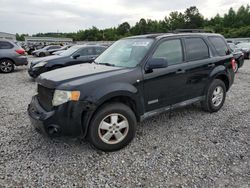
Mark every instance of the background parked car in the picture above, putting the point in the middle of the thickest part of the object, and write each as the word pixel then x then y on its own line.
pixel 245 47
pixel 62 49
pixel 74 55
pixel 11 55
pixel 238 55
pixel 47 50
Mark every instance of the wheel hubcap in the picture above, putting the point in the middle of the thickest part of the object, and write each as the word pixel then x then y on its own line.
pixel 218 95
pixel 6 66
pixel 113 128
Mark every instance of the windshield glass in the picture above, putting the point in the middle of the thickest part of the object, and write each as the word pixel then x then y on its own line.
pixel 232 46
pixel 70 51
pixel 125 52
pixel 243 45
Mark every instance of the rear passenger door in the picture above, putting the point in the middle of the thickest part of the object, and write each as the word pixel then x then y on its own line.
pixel 198 66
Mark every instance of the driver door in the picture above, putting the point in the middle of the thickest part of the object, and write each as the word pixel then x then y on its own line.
pixel 166 86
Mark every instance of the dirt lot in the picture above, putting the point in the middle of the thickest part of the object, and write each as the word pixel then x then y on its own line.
pixel 192 149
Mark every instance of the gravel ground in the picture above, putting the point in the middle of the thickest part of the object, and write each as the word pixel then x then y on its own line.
pixel 192 149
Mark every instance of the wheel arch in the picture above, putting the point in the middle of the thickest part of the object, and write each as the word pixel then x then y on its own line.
pixel 2 58
pixel 127 97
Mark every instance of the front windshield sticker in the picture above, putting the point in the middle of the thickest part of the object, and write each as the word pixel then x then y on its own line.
pixel 140 43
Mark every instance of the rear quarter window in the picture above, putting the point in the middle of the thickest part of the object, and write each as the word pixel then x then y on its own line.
pixel 220 45
pixel 5 45
pixel 196 49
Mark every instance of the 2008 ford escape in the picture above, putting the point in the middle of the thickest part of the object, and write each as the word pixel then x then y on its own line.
pixel 136 78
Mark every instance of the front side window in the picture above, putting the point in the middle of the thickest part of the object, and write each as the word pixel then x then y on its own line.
pixel 86 51
pixel 126 52
pixel 196 49
pixel 171 51
pixel 99 50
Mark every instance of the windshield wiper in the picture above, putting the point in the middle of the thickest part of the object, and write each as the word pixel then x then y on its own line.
pixel 107 64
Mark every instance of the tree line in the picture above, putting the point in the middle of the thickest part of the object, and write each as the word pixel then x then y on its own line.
pixel 235 23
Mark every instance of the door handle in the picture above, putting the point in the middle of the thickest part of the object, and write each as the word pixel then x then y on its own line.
pixel 180 71
pixel 211 65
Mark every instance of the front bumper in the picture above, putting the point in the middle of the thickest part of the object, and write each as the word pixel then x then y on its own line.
pixel 64 120
pixel 35 72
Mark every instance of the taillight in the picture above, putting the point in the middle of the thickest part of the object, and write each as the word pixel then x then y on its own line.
pixel 233 64
pixel 20 51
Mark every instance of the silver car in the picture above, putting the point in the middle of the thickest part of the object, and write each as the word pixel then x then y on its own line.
pixel 11 55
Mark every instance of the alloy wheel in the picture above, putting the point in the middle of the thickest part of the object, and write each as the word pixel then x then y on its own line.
pixel 6 66
pixel 113 128
pixel 217 96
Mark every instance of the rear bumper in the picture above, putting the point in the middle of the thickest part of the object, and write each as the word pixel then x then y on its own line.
pixel 21 60
pixel 64 120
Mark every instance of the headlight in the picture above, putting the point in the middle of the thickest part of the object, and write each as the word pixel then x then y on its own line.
pixel 41 64
pixel 61 97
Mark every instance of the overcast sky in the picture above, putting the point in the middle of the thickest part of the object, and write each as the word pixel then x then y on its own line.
pixel 33 16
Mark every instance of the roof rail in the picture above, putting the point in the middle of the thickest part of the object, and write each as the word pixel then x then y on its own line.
pixel 192 31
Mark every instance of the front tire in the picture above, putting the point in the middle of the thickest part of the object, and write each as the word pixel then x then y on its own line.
pixel 215 96
pixel 6 66
pixel 112 127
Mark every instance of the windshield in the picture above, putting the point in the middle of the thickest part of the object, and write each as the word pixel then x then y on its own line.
pixel 125 52
pixel 232 46
pixel 70 51
pixel 243 45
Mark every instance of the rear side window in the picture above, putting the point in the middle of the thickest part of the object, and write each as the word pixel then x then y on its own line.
pixel 5 45
pixel 171 50
pixel 219 45
pixel 196 49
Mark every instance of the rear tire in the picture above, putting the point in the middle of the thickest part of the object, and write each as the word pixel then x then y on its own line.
pixel 236 67
pixel 112 127
pixel 215 96
pixel 6 66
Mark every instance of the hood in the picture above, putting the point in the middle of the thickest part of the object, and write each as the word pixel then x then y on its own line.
pixel 48 58
pixel 78 74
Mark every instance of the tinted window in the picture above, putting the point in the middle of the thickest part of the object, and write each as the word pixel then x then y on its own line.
pixel 219 45
pixel 5 45
pixel 99 50
pixel 170 50
pixel 85 51
pixel 196 49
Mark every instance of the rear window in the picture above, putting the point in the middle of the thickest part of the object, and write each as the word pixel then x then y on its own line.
pixel 5 45
pixel 219 45
pixel 196 49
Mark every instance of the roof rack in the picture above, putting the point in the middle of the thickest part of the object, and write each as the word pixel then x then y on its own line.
pixel 192 31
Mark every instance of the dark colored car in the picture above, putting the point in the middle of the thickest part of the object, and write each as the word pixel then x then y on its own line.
pixel 238 56
pixel 47 50
pixel 245 47
pixel 62 49
pixel 134 79
pixel 74 55
pixel 11 55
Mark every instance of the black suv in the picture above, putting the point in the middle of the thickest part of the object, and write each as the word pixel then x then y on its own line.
pixel 136 78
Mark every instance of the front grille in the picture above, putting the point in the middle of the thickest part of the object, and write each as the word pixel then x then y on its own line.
pixel 45 97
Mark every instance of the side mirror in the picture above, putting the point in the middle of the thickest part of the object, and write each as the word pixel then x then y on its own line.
pixel 76 56
pixel 157 63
